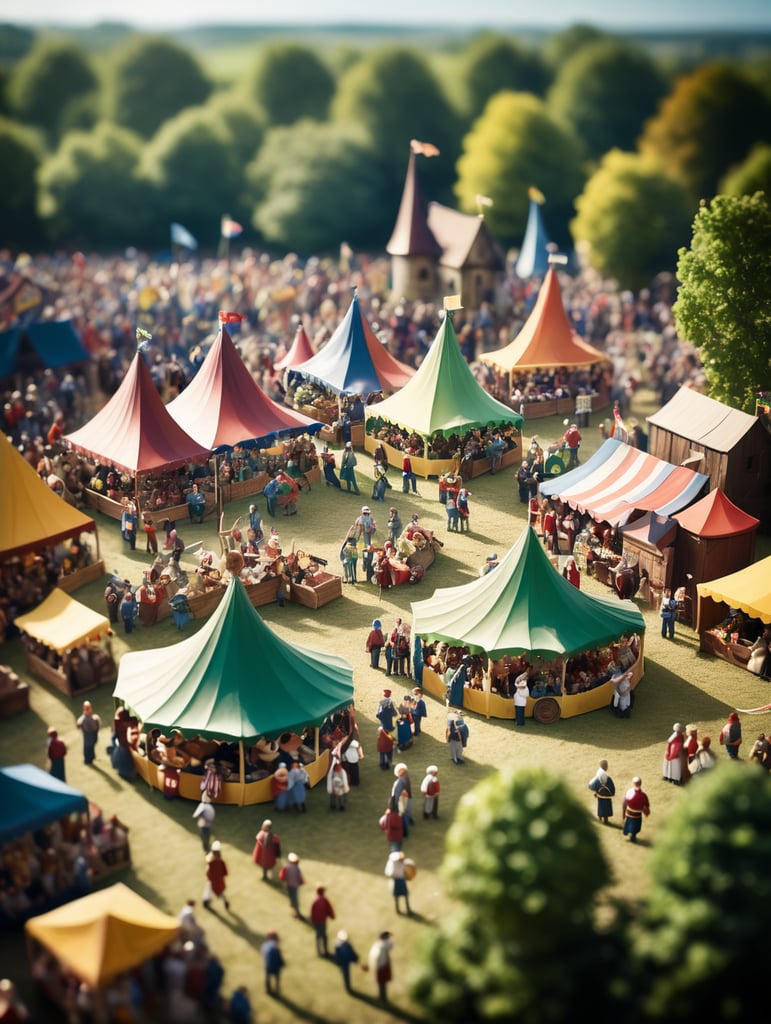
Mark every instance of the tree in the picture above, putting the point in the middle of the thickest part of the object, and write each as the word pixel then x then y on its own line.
pixel 753 175
pixel 151 81
pixel 709 123
pixel 316 186
pixel 20 154
pixel 722 303
pixel 702 939
pixel 291 82
pixel 243 122
pixel 394 96
pixel 43 85
pixel 89 191
pixel 633 217
pixel 513 145
pixel 526 865
pixel 495 64
pixel 561 46
pixel 606 92
pixel 195 169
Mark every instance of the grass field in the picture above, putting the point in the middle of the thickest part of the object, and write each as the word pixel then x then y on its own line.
pixel 348 851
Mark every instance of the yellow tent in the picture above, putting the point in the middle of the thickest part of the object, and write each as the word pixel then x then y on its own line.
pixel 62 622
pixel 103 934
pixel 749 589
pixel 31 515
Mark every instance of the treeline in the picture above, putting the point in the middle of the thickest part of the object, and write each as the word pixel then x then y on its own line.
pixel 308 150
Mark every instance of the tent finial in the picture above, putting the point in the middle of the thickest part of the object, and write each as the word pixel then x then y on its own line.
pixel 450 303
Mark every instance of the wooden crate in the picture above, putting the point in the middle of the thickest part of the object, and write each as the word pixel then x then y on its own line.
pixel 14 694
pixel 322 593
pixel 79 578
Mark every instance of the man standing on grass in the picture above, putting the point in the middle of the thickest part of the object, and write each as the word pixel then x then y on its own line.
pixel 89 724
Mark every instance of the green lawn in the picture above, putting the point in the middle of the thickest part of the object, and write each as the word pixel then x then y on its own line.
pixel 348 851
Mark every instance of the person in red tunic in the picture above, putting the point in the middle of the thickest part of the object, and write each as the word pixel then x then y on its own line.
pixel 635 807
pixel 571 572
pixel 267 849
pixel 550 527
pixel 216 871
pixel 675 765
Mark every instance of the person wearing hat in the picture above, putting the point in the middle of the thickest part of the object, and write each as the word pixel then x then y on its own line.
pixel 395 870
pixel 379 964
pixel 491 562
pixel 365 526
pixel 675 767
pixel 419 710
pixel 216 872
pixel 292 877
pixel 572 440
pixel 348 467
pixel 349 556
pixel 386 711
pixel 57 750
pixel 635 807
pixel 374 644
pixel 267 849
pixel 430 788
pixel 89 724
pixel 344 956
pixel 204 816
pixel 604 790
pixel 321 912
pixel 454 735
pixel 273 962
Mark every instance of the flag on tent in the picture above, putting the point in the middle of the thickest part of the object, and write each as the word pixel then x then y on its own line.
pixel 230 228
pixel 181 236
pixel 618 427
pixel 423 148
pixel 231 318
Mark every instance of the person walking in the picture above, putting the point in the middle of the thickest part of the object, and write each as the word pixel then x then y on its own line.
pixel 604 790
pixel 395 525
pixel 731 736
pixel 379 963
pixel 338 786
pixel 635 807
pixel 667 613
pixel 267 849
pixel 454 737
pixel 292 877
pixel 352 754
pixel 464 511
pixel 270 493
pixel 57 750
pixel 89 724
pixel 274 963
pixel 344 956
pixel 572 440
pixel 348 467
pixel 128 524
pixel 321 912
pixel 430 787
pixel 395 870
pixel 204 815
pixel 521 695
pixel 128 611
pixel 419 710
pixel 675 764
pixel 216 872
pixel 392 824
pixel 375 642
pixel 408 477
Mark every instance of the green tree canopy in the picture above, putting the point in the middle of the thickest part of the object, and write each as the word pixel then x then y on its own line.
pixel 43 85
pixel 702 937
pixel 241 119
pixel 151 80
pixel 291 82
pixel 494 64
pixel 316 186
pixel 561 46
pixel 722 304
pixel 753 175
pixel 393 94
pixel 513 145
pixel 634 218
pixel 21 152
pixel 606 91
pixel 709 123
pixel 89 190
pixel 194 167
pixel 525 863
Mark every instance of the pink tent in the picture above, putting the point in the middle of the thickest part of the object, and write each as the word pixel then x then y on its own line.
pixel 300 352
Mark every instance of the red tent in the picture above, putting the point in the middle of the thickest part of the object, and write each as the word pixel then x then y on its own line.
pixel 223 406
pixel 716 516
pixel 300 352
pixel 134 431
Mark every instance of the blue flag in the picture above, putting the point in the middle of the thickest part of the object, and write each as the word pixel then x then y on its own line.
pixel 181 236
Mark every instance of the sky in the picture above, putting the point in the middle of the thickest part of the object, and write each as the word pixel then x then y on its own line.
pixel 620 14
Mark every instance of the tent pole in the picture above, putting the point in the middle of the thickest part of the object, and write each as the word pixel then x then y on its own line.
pixel 242 763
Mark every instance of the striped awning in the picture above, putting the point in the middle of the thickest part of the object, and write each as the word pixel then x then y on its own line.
pixel 618 479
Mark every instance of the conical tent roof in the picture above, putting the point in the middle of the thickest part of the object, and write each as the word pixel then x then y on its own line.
pixel 105 933
pixel 353 361
pixel 223 406
pixel 411 235
pixel 534 255
pixel 235 679
pixel 31 515
pixel 444 396
pixel 716 516
pixel 547 338
pixel 134 431
pixel 523 605
pixel 300 352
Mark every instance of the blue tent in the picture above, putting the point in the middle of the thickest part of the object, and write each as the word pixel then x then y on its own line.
pixel 533 260
pixel 31 798
pixel 54 342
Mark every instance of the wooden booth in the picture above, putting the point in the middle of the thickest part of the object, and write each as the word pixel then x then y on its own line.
pixel 732 611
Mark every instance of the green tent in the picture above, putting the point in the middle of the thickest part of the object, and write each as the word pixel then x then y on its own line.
pixel 444 397
pixel 235 679
pixel 523 605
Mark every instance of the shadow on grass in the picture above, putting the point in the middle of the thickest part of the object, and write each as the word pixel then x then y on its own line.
pixel 302 1012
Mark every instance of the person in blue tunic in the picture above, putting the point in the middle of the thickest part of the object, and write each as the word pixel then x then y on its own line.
pixel 458 682
pixel 604 789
